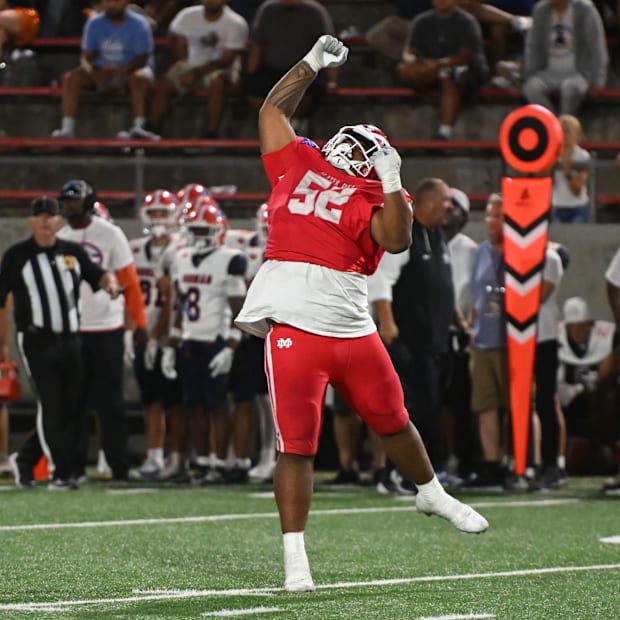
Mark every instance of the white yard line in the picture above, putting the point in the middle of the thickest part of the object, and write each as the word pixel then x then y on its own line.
pixel 229 613
pixel 459 617
pixel 613 540
pixel 168 595
pixel 262 515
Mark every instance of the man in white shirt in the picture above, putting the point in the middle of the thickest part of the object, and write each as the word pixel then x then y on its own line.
pixel 102 324
pixel 207 43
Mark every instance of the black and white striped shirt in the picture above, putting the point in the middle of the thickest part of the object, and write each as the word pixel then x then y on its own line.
pixel 45 284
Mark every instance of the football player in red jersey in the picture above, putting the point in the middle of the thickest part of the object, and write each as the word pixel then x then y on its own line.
pixel 332 213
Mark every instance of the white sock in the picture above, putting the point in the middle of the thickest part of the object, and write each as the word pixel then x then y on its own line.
pixel 203 461
pixel 431 490
pixel 68 124
pixel 445 131
pixel 293 543
pixel 157 455
pixel 139 121
pixel 174 459
pixel 562 462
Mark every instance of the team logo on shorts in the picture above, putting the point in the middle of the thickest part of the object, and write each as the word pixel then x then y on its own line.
pixel 284 343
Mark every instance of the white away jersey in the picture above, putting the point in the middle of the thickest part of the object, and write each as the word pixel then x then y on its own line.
pixel 600 345
pixel 204 283
pixel 107 247
pixel 247 241
pixel 152 263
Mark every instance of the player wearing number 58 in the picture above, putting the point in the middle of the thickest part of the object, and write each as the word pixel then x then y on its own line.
pixel 332 214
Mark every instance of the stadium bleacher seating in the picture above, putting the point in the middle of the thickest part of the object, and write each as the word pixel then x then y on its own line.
pixel 30 162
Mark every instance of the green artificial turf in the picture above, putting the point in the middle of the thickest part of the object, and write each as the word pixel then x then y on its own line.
pixel 227 562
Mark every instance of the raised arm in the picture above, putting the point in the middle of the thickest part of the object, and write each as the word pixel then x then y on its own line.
pixel 274 128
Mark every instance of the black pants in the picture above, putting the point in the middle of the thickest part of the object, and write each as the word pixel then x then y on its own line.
pixel 423 377
pixel 103 393
pixel 54 364
pixel 545 372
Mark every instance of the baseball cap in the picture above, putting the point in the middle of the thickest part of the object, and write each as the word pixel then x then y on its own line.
pixel 459 199
pixel 44 205
pixel 576 310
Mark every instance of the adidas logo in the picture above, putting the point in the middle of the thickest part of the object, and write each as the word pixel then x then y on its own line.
pixel 284 343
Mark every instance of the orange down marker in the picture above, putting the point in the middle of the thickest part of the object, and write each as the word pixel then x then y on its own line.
pixel 530 140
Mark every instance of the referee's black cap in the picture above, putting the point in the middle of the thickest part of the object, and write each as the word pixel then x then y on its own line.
pixel 44 204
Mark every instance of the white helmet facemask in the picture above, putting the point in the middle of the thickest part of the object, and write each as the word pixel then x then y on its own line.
pixel 368 139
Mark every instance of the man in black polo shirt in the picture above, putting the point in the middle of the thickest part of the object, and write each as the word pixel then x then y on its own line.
pixel 415 323
pixel 43 273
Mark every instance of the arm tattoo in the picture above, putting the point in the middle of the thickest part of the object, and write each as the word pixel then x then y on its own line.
pixel 287 93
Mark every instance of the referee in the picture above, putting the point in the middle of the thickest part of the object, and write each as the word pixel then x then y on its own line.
pixel 43 273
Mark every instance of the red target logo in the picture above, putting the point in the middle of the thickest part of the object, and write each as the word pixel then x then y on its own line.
pixel 530 139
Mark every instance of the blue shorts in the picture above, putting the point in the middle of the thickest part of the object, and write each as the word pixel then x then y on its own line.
pixel 154 387
pixel 247 376
pixel 197 384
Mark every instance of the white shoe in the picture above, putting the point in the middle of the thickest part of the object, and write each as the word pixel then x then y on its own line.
pixel 172 470
pixel 521 23
pixel 262 472
pixel 139 133
pixel 149 470
pixel 62 133
pixel 462 516
pixel 297 573
pixel 103 469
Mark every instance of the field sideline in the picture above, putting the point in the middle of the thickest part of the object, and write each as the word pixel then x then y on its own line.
pixel 169 552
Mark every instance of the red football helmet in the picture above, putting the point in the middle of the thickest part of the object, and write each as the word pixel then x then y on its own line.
pixel 102 211
pixel 262 223
pixel 159 212
pixel 338 150
pixel 188 197
pixel 206 225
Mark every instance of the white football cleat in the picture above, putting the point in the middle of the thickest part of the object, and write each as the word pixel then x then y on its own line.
pixel 462 516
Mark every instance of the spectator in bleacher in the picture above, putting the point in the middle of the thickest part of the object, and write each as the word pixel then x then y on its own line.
pixel 565 53
pixel 570 199
pixel 444 50
pixel 63 18
pixel 207 42
pixel 19 24
pixel 281 33
pixel 117 53
pixel 102 323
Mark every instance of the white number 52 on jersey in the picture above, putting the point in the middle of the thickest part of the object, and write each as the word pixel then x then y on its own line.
pixel 315 194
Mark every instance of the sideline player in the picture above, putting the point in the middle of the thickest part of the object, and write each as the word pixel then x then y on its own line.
pixel 152 255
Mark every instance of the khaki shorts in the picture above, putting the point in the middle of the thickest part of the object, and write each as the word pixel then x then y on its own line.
pixel 489 379
pixel 204 81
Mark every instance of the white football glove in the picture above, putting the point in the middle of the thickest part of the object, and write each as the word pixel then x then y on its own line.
pixel 168 361
pixel 150 353
pixel 326 52
pixel 386 163
pixel 222 362
pixel 128 354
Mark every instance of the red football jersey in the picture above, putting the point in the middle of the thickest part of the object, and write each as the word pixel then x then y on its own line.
pixel 319 214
